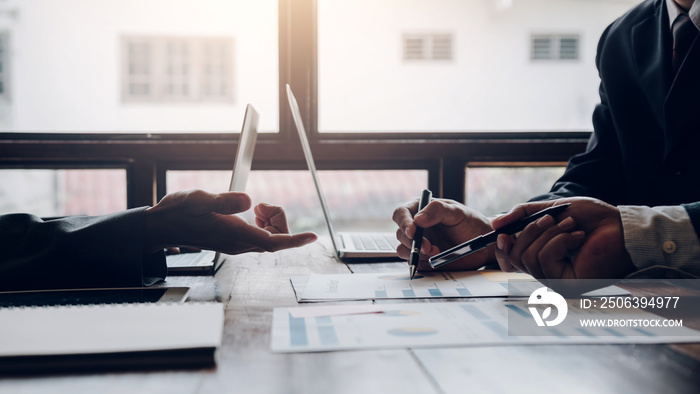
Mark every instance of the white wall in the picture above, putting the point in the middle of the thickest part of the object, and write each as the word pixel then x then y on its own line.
pixel 364 83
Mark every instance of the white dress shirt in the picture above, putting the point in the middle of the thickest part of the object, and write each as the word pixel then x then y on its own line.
pixel 674 10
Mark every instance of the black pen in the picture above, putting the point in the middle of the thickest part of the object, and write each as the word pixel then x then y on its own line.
pixel 485 240
pixel 418 236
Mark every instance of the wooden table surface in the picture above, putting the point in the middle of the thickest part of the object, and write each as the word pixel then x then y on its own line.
pixel 251 285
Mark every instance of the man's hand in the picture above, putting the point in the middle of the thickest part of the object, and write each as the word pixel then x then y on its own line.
pixel 584 242
pixel 199 219
pixel 446 223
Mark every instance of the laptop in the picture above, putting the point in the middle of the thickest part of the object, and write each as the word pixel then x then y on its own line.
pixel 207 262
pixel 347 245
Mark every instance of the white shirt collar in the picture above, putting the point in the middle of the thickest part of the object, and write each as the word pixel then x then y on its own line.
pixel 673 12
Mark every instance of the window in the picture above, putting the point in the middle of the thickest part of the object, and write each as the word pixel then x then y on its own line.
pixel 427 47
pixel 177 69
pixel 515 185
pixel 554 47
pixel 357 200
pixel 50 193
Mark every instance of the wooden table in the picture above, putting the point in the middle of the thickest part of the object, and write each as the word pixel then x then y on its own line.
pixel 251 285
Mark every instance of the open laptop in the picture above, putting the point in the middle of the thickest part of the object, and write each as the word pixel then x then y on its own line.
pixel 207 262
pixel 354 245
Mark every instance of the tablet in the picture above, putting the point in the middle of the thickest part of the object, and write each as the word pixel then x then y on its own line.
pixel 117 295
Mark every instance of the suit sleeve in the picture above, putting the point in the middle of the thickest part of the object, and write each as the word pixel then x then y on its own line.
pixel 75 252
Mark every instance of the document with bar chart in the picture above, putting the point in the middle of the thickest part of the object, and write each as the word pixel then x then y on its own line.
pixel 436 324
pixel 394 285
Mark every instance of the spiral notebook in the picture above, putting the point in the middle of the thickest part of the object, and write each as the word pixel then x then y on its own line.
pixel 109 337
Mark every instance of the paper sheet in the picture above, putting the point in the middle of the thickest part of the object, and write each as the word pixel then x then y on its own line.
pixel 335 310
pixel 437 324
pixel 392 285
pixel 445 284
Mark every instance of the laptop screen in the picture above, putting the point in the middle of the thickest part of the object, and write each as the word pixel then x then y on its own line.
pixel 296 114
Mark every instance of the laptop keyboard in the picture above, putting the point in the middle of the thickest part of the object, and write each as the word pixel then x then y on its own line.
pixel 374 242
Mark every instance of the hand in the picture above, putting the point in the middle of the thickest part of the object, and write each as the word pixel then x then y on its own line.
pixel 198 219
pixel 447 223
pixel 181 249
pixel 586 243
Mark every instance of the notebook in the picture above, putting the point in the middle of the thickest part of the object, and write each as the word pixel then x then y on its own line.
pixel 347 245
pixel 109 337
pixel 207 262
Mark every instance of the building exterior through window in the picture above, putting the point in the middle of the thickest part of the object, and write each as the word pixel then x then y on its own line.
pixel 427 46
pixel 171 69
pixel 554 47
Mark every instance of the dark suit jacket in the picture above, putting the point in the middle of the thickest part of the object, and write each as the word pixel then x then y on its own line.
pixel 645 149
pixel 77 251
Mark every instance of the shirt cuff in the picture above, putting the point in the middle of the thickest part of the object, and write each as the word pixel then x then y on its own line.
pixel 661 238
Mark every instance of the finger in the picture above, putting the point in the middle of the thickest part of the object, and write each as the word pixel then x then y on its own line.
pixel 248 238
pixel 272 218
pixel 403 217
pixel 425 248
pixel 504 243
pixel 524 241
pixel 286 241
pixel 403 251
pixel 403 238
pixel 554 256
pixel 530 256
pixel 439 212
pixel 229 203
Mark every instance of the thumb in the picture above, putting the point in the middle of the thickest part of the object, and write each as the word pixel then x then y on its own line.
pixel 229 203
pixel 285 241
pixel 274 242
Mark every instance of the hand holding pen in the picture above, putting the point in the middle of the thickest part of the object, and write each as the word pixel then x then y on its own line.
pixel 482 241
pixel 418 236
pixel 585 242
pixel 445 223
